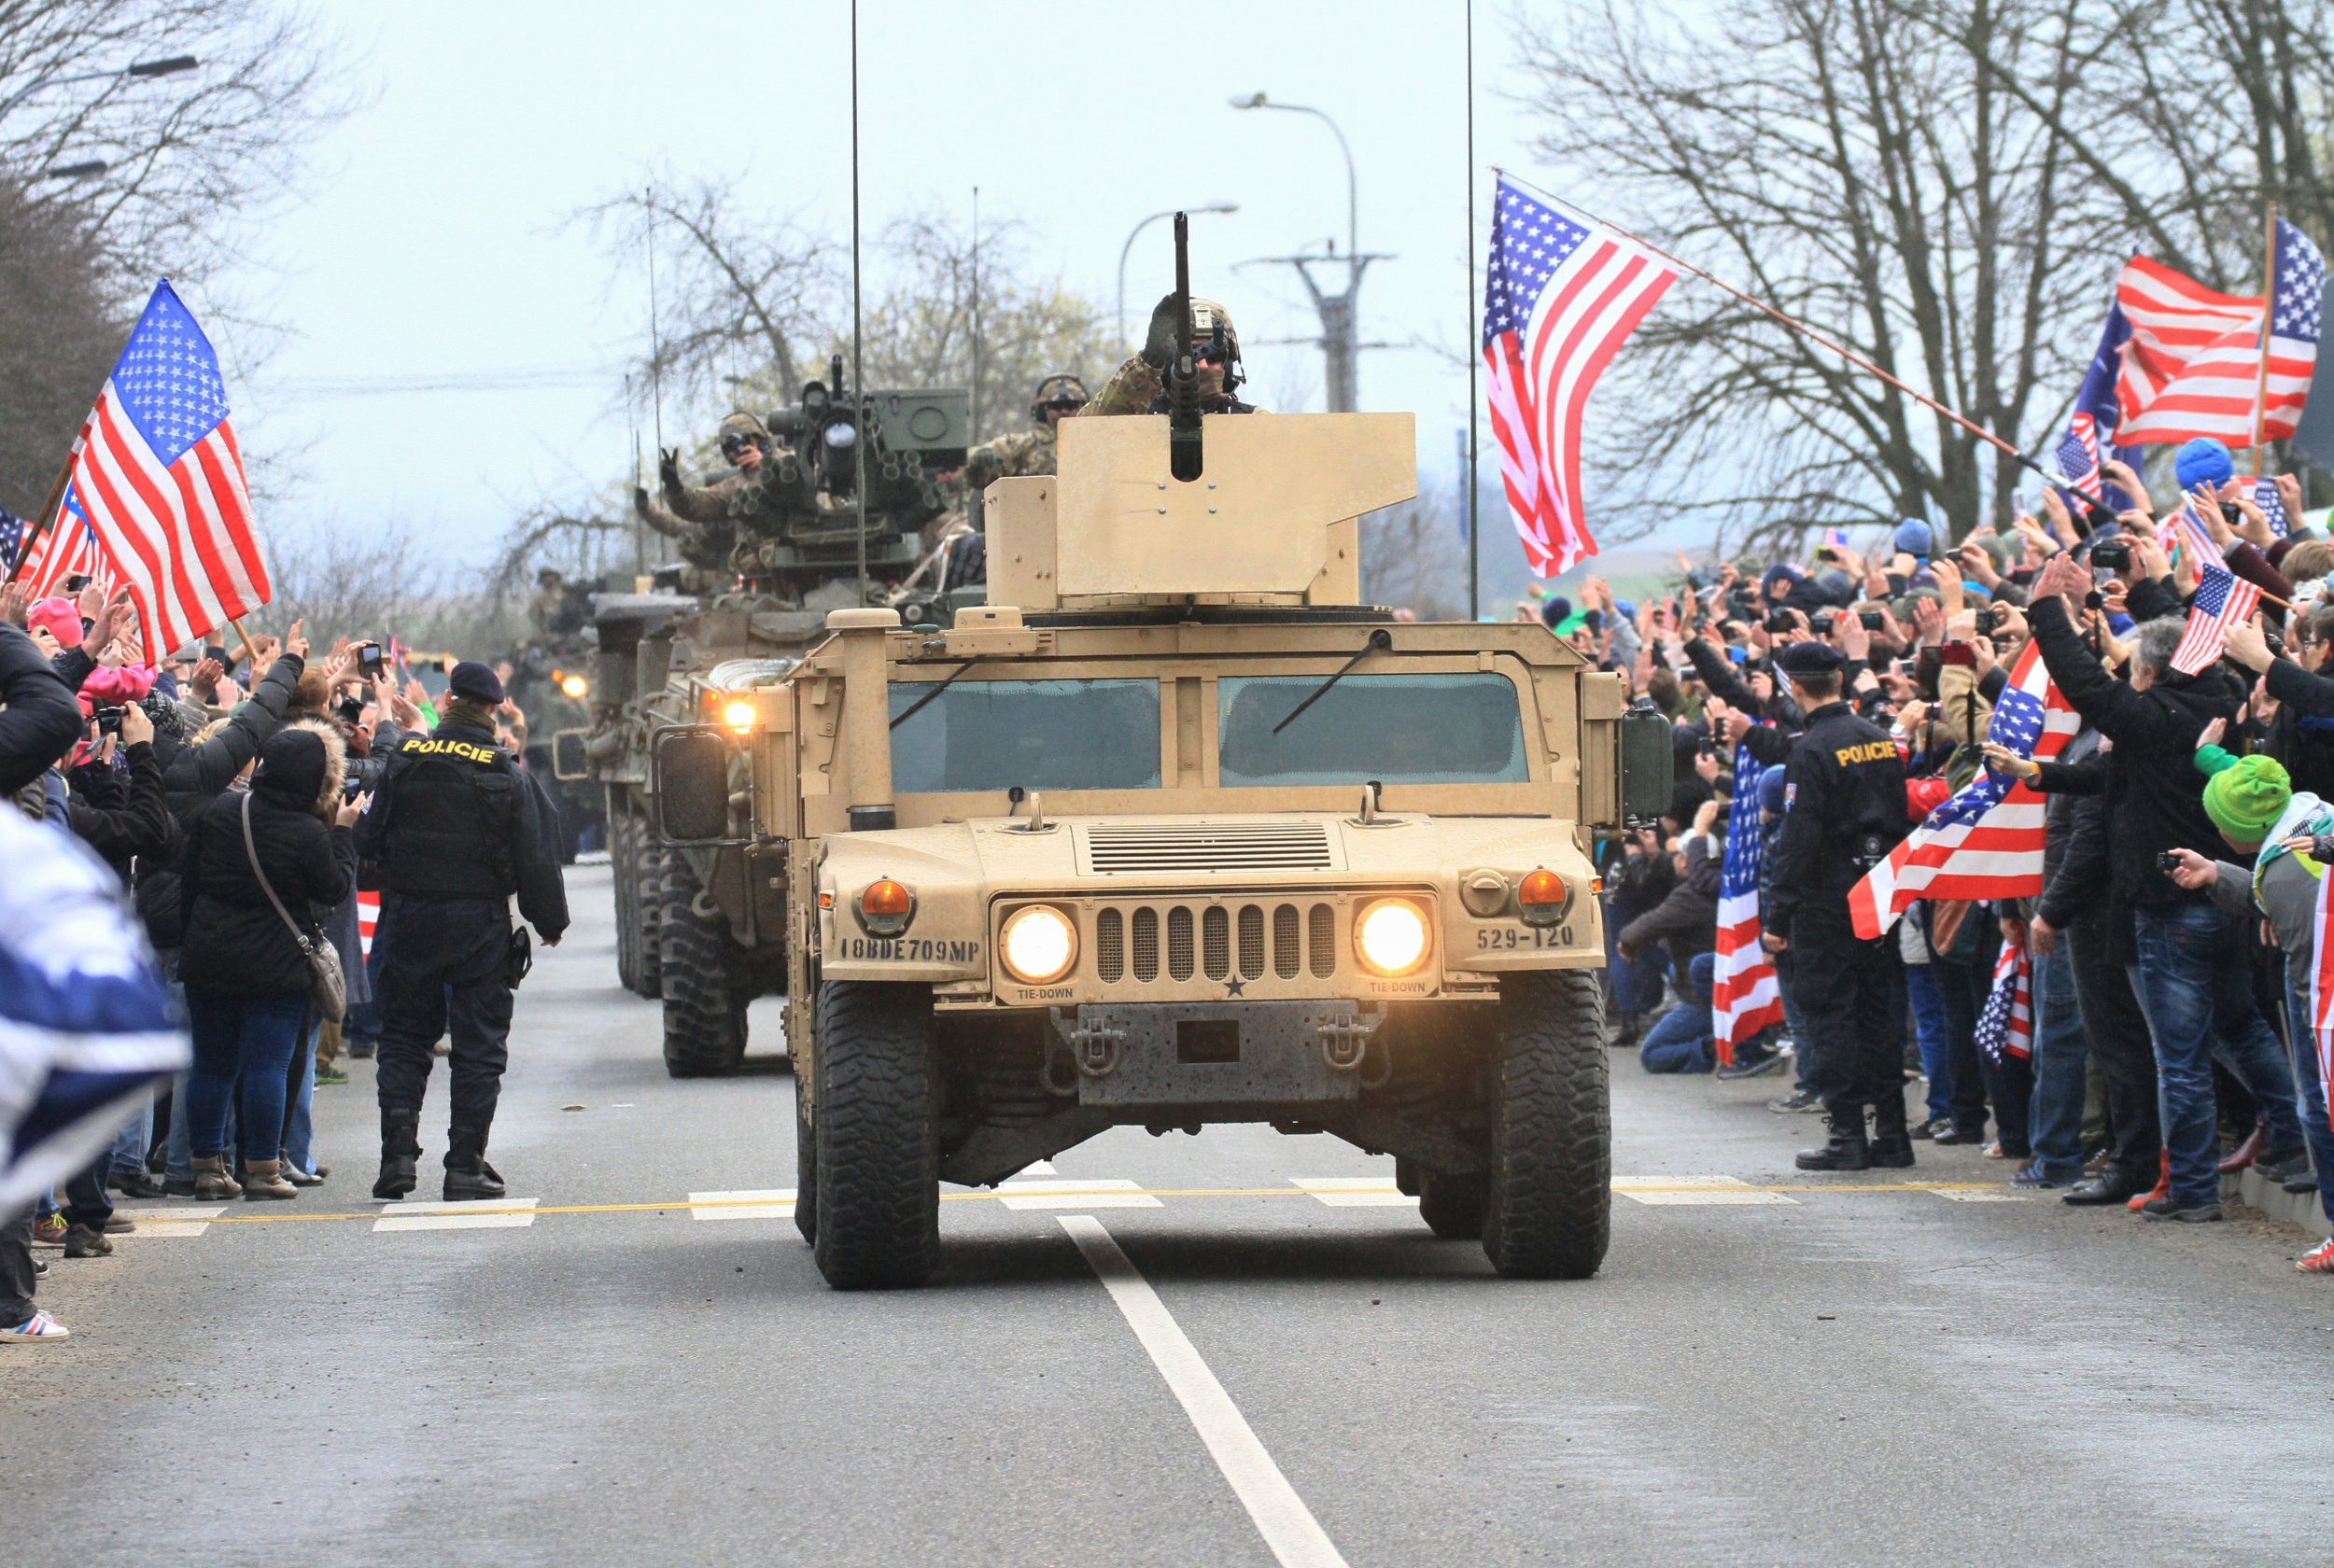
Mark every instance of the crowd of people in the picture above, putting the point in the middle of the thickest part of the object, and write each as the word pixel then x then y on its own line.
pixel 221 786
pixel 2188 823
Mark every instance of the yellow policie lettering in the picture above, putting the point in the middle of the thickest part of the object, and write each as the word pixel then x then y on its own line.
pixel 1870 751
pixel 453 748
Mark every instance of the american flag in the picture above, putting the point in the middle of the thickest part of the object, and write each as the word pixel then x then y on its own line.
pixel 1986 840
pixel 368 917
pixel 1835 539
pixel 2221 597
pixel 65 549
pixel 2078 458
pixel 12 537
pixel 1744 995
pixel 2265 497
pixel 158 469
pixel 2196 361
pixel 2190 534
pixel 1559 298
pixel 2005 1026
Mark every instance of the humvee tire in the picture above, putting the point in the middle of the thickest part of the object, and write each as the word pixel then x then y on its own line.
pixel 878 1174
pixel 705 1014
pixel 1551 1185
pixel 647 907
pixel 623 866
pixel 805 1168
pixel 1453 1206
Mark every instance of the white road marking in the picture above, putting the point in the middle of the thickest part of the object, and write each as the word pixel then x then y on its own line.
pixel 1042 1168
pixel 502 1213
pixel 1295 1537
pixel 1980 1194
pixel 1355 1192
pixel 771 1203
pixel 1077 1193
pixel 1684 1191
pixel 173 1222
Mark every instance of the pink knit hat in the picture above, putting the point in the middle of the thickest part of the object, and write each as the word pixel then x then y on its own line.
pixel 62 620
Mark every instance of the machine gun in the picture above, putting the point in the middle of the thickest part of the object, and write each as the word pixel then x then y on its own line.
pixel 1185 458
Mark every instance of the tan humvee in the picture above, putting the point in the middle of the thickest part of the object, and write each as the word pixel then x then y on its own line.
pixel 1176 831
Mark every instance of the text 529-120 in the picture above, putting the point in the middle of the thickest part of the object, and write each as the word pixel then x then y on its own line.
pixel 1506 939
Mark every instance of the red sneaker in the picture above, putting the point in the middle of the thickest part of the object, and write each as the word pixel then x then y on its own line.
pixel 2318 1260
pixel 2161 1189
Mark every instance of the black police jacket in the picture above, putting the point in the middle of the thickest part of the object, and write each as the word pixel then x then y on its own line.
pixel 456 817
pixel 1845 786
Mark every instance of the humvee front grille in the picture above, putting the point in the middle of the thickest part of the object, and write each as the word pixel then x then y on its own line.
pixel 1146 944
pixel 1110 946
pixel 1286 956
pixel 1251 941
pixel 1168 847
pixel 1302 939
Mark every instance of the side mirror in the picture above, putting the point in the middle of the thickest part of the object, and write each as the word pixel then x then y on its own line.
pixel 1648 763
pixel 692 768
pixel 568 760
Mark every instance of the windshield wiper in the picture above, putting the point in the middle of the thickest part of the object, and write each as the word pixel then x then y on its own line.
pixel 918 706
pixel 1380 640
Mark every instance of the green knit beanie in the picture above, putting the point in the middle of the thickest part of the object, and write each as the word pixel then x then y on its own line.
pixel 2245 796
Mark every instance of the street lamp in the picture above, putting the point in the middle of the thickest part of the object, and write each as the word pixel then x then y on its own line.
pixel 144 69
pixel 89 169
pixel 1340 313
pixel 1127 249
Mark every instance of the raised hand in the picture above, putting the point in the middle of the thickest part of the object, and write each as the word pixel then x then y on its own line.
pixel 296 640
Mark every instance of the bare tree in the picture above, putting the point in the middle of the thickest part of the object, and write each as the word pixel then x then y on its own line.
pixel 1414 556
pixel 374 582
pixel 1946 186
pixel 59 334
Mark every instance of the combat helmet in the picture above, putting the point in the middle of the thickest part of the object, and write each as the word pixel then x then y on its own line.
pixel 740 428
pixel 1064 391
pixel 1208 318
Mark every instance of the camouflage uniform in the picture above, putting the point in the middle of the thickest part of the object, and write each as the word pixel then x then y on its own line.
pixel 1133 389
pixel 1139 386
pixel 697 520
pixel 1015 453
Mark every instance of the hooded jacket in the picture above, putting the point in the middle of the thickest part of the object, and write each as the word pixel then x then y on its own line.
pixel 235 942
pixel 38 716
pixel 2283 885
pixel 2152 799
pixel 121 815
pixel 193 775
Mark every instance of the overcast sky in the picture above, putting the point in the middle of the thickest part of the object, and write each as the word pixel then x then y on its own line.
pixel 436 243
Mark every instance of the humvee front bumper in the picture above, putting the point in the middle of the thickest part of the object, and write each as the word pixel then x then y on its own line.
pixel 1217 1053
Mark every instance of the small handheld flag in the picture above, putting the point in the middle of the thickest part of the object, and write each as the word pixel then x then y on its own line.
pixel 2221 597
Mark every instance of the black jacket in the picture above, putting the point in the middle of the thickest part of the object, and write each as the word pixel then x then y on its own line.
pixel 192 775
pixel 2154 796
pixel 38 716
pixel 1845 786
pixel 235 939
pixel 535 830
pixel 2306 747
pixel 1768 743
pixel 1686 921
pixel 121 815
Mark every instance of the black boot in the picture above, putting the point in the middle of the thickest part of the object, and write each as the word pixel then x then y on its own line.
pixel 1847 1149
pixel 1891 1140
pixel 468 1176
pixel 400 1147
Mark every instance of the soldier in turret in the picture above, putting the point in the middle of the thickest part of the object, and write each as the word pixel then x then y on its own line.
pixel 1018 453
pixel 1139 386
pixel 702 519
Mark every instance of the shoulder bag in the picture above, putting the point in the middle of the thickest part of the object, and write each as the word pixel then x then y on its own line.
pixel 327 987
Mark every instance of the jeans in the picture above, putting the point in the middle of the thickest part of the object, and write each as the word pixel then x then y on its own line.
pixel 1684 1039
pixel 1929 1027
pixel 252 1035
pixel 299 1090
pixel 1802 1058
pixel 131 1143
pixel 1962 987
pixel 2309 1094
pixel 2198 996
pixel 2061 1064
pixel 1636 983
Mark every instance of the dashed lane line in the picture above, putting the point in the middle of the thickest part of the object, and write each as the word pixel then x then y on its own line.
pixel 522 1210
pixel 770 1203
pixel 1295 1537
pixel 1077 1193
pixel 1706 1191
pixel 1355 1192
pixel 174 1223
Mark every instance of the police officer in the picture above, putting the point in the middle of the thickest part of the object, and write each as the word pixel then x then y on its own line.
pixel 456 827
pixel 1844 786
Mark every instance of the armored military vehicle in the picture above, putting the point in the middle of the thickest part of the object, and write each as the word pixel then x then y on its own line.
pixel 1177 831
pixel 701 924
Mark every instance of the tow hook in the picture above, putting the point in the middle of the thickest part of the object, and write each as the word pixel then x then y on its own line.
pixel 1096 1048
pixel 1345 1038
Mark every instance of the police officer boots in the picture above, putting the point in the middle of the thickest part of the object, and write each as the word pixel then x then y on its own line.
pixel 468 1176
pixel 1891 1140
pixel 401 1148
pixel 1847 1149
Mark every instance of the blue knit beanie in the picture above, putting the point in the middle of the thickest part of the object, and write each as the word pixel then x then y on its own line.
pixel 1913 538
pixel 2201 461
pixel 1771 790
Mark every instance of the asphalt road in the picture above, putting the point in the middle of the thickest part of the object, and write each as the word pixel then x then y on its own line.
pixel 1770 1368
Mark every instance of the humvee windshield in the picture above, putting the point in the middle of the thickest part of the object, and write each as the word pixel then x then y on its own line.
pixel 1041 735
pixel 1459 728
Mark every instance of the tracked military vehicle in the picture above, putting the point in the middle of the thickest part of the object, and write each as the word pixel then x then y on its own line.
pixel 701 923
pixel 1177 831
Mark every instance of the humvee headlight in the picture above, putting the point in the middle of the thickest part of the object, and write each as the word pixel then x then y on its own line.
pixel 738 714
pixel 575 686
pixel 1543 897
pixel 1039 944
pixel 1391 936
pixel 886 908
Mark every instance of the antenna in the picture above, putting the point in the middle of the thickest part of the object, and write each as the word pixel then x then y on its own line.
pixel 859 446
pixel 655 342
pixel 974 435
pixel 1474 349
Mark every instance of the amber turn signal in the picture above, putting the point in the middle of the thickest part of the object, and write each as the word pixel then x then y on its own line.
pixel 1542 897
pixel 886 908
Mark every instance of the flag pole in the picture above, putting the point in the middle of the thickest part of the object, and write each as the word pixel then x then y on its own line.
pixel 1474 352
pixel 2269 313
pixel 1810 333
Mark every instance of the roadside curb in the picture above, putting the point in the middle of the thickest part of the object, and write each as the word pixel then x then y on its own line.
pixel 2271 1199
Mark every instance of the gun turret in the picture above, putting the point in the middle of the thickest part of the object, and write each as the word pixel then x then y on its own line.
pixel 1185 458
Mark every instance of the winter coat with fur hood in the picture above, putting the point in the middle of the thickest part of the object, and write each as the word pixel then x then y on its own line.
pixel 235 942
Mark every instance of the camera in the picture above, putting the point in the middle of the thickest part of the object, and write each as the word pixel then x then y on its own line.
pixel 73 583
pixel 109 719
pixel 368 660
pixel 1779 621
pixel 2113 555
pixel 349 710
pixel 1997 617
pixel 2167 861
pixel 1872 620
pixel 364 776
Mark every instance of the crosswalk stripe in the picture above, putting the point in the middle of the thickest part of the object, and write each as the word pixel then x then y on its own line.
pixel 173 1222
pixel 1077 1193
pixel 1355 1192
pixel 1692 1191
pixel 773 1203
pixel 1978 1194
pixel 506 1213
